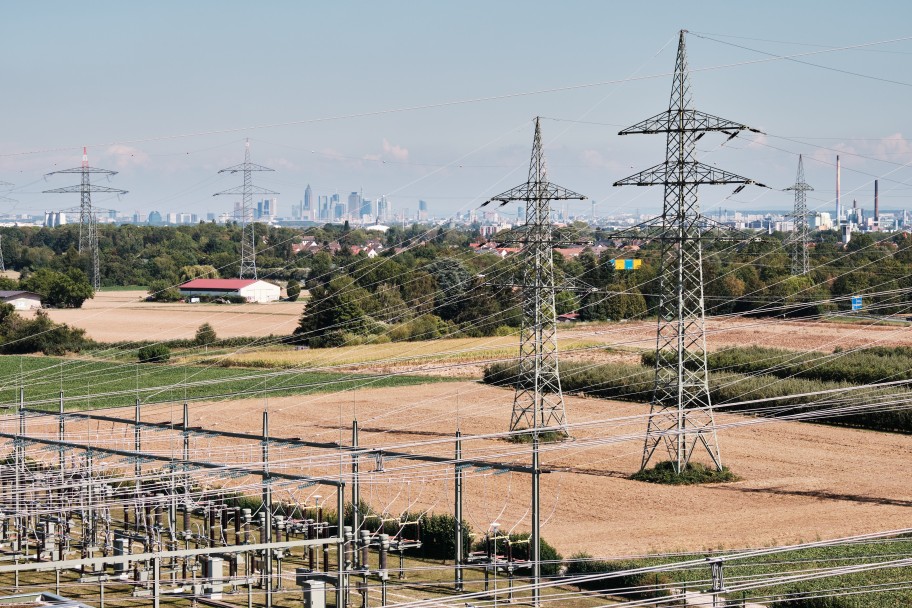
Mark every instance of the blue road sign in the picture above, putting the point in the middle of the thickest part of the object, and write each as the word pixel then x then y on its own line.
pixel 856 302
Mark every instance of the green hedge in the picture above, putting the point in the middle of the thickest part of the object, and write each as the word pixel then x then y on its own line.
pixel 634 383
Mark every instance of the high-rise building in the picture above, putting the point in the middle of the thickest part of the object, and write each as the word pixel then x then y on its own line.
pixel 155 218
pixel 307 204
pixel 384 211
pixel 354 204
pixel 323 212
pixel 367 209
pixel 422 211
pixel 339 211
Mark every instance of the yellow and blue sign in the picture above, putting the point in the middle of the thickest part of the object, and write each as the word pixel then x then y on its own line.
pixel 627 264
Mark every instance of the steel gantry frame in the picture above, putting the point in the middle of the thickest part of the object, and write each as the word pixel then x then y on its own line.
pixel 88 222
pixel 798 246
pixel 247 190
pixel 681 416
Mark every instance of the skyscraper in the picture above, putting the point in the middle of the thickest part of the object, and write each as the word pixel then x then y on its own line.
pixel 354 204
pixel 308 199
pixel 422 211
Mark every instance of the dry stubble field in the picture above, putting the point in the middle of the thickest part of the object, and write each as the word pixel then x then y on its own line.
pixel 800 481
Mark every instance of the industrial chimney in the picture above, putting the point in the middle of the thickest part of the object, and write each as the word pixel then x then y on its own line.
pixel 876 207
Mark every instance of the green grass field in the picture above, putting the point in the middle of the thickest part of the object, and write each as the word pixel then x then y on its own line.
pixel 95 384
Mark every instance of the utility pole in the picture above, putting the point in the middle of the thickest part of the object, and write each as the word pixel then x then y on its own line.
pixel 88 222
pixel 247 190
pixel 799 243
pixel 538 401
pixel 681 414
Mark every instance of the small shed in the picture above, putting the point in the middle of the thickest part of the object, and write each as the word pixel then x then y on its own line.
pixel 252 290
pixel 21 300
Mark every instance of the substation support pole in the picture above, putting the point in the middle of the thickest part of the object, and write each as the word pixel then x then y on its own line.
pixel 137 467
pixel 457 512
pixel 356 493
pixel 61 455
pixel 535 539
pixel 156 582
pixel 267 509
pixel 341 592
pixel 19 462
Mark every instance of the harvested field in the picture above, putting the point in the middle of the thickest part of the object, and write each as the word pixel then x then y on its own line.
pixel 800 481
pixel 114 316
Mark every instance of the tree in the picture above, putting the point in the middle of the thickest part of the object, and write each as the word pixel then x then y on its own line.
pixel 154 353
pixel 60 290
pixel 334 307
pixel 205 335
pixel 198 271
pixel 292 290
pixel 163 291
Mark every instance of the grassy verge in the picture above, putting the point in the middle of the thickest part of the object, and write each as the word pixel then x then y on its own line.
pixel 799 594
pixel 105 384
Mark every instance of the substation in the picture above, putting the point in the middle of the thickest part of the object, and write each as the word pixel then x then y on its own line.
pixel 165 513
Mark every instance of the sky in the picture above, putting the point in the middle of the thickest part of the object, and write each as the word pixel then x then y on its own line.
pixel 435 100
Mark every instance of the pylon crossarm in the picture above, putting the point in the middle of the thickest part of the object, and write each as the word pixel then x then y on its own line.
pixel 240 190
pixel 86 188
pixel 532 191
pixel 688 173
pixel 245 167
pixel 692 121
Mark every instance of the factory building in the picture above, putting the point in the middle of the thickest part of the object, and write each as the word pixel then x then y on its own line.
pixel 252 290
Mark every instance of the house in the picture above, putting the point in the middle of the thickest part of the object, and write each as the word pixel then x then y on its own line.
pixel 307 244
pixel 21 300
pixel 252 290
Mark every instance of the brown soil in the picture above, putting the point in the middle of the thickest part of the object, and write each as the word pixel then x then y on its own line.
pixel 799 481
pixel 113 316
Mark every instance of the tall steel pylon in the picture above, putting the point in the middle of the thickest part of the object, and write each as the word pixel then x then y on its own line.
pixel 4 199
pixel 247 190
pixel 538 401
pixel 798 247
pixel 88 222
pixel 681 416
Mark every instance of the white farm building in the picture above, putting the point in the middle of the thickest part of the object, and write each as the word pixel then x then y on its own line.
pixel 252 290
pixel 21 300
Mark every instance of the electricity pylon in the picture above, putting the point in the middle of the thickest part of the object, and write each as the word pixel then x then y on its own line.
pixel 88 222
pixel 4 199
pixel 800 239
pixel 681 416
pixel 538 401
pixel 247 190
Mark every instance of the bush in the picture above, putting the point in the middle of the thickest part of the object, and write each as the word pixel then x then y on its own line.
pixel 163 291
pixel 581 564
pixel 205 335
pixel 520 548
pixel 155 353
pixel 292 290
pixel 41 334
pixel 693 473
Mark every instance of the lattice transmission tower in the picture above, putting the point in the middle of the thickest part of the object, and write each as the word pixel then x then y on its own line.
pixel 800 239
pixel 538 401
pixel 681 415
pixel 4 199
pixel 247 190
pixel 88 222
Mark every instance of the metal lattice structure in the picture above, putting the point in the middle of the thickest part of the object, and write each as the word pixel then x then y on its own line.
pixel 247 190
pixel 798 246
pixel 538 401
pixel 4 199
pixel 681 416
pixel 88 221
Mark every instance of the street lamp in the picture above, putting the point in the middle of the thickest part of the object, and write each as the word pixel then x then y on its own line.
pixel 494 528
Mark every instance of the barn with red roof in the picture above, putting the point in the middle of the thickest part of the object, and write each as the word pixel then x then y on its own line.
pixel 252 290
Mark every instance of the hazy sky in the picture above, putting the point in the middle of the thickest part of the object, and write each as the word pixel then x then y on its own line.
pixel 166 93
